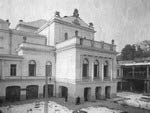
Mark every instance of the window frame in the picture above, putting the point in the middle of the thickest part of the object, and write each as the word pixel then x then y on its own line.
pixel 48 63
pixel 85 68
pixel 32 64
pixel 66 36
pixel 13 70
pixel 96 66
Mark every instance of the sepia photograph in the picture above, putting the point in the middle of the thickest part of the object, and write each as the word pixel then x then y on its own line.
pixel 74 56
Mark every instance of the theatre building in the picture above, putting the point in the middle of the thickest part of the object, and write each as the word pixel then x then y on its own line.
pixel 63 49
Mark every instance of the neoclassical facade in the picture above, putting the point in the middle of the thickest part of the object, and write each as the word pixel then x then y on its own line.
pixel 64 50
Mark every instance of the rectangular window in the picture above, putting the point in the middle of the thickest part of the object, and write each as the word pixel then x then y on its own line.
pixel 118 73
pixel 31 69
pixel 95 71
pixel 1 42
pixel 85 70
pixel 13 68
pixel 48 70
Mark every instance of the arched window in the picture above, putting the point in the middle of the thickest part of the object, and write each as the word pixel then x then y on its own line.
pixel 106 69
pixel 85 69
pixel 96 69
pixel 66 36
pixel 48 71
pixel 32 68
pixel 76 33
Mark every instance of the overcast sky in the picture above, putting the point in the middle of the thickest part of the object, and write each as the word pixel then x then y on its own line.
pixel 125 21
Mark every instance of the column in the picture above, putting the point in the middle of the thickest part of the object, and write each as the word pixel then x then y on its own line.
pixel 145 86
pixel 40 90
pixel 111 69
pixel 133 70
pixel 23 92
pixel 1 69
pixel 147 72
pixel 93 94
pixel 102 69
pixel 92 68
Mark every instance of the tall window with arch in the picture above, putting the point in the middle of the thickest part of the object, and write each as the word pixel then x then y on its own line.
pixel 66 36
pixel 96 69
pixel 32 68
pixel 106 69
pixel 85 68
pixel 48 68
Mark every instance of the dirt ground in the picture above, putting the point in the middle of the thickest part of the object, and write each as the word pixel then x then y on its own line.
pixel 104 103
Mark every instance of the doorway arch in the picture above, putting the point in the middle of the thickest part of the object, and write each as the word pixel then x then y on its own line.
pixel 98 91
pixel 107 91
pixel 13 93
pixel 87 94
pixel 32 92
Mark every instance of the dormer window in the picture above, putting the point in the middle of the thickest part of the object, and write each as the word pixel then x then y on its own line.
pixel 66 36
pixel 76 33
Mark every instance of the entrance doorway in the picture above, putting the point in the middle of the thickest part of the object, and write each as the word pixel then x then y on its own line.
pixel 98 92
pixel 87 94
pixel 13 93
pixel 63 91
pixel 32 92
pixel 107 91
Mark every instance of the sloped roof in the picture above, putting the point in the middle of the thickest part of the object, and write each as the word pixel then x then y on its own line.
pixel 2 21
pixel 37 23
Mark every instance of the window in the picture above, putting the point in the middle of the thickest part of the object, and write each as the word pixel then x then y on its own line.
pixel 32 68
pixel 66 36
pixel 1 42
pixel 76 33
pixel 106 69
pixel 96 68
pixel 48 69
pixel 13 69
pixel 85 68
pixel 118 72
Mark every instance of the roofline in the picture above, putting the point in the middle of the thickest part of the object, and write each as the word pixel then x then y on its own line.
pixel 136 64
pixel 22 33
pixel 25 25
pixel 57 20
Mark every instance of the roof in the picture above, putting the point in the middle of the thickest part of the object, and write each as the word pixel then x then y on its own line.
pixel 36 24
pixel 1 20
pixel 136 64
pixel 73 20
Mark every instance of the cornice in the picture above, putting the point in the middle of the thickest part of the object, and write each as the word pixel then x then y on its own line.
pixel 77 46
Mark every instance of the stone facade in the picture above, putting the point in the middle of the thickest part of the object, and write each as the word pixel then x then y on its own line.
pixel 64 47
